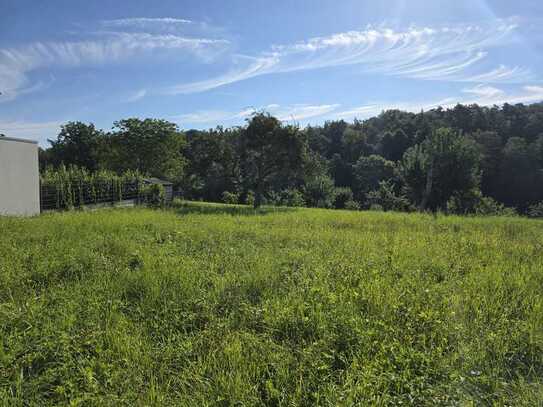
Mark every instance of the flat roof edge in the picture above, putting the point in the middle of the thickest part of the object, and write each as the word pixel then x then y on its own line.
pixel 21 140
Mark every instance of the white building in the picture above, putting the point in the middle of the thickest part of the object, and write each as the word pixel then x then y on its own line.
pixel 19 177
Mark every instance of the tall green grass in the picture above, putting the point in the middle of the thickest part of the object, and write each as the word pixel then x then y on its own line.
pixel 223 305
pixel 75 187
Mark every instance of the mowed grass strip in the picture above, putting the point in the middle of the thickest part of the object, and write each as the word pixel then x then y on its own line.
pixel 209 304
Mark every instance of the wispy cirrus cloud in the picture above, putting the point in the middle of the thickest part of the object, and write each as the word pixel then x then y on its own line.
pixel 207 117
pixel 304 112
pixel 244 68
pixel 488 95
pixel 110 48
pixel 8 95
pixel 162 25
pixel 145 22
pixel 485 91
pixel 17 63
pixel 483 95
pixel 503 74
pixel 136 96
pixel 296 112
pixel 457 53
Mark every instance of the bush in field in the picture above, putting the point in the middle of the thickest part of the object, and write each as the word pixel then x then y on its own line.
pixel 287 197
pixel 536 211
pixel 489 206
pixel 473 202
pixel 293 197
pixel 385 198
pixel 230 197
pixel 320 192
pixel 154 195
pixel 273 198
pixel 343 195
pixel 464 202
pixel 250 198
pixel 369 172
pixel 352 205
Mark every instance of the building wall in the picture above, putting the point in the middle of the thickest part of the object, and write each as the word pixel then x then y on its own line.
pixel 19 177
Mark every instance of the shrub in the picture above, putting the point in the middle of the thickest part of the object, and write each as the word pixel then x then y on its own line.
pixel 154 195
pixel 292 197
pixel 320 192
pixel 386 199
pixel 369 172
pixel 464 202
pixel 352 205
pixel 287 197
pixel 474 202
pixel 250 198
pixel 342 196
pixel 488 206
pixel 536 211
pixel 230 197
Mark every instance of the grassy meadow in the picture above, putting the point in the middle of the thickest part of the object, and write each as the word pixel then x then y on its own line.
pixel 204 305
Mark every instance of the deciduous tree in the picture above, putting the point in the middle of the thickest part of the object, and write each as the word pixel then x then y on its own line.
pixel 268 150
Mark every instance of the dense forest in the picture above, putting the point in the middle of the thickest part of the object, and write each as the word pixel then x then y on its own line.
pixel 468 159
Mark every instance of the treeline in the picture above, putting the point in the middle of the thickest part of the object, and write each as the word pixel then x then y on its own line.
pixel 468 159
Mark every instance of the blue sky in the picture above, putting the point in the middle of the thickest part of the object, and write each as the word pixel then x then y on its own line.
pixel 204 63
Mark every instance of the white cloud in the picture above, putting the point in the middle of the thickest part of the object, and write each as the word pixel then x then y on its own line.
pixel 204 117
pixel 297 112
pixel 7 95
pixel 482 95
pixel 163 25
pixel 253 67
pixel 361 111
pixel 215 116
pixel 485 91
pixel 145 22
pixel 135 96
pixel 528 94
pixel 113 47
pixel 455 53
pixel 39 131
pixel 534 89
pixel 502 74
pixel 17 63
pixel 304 112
